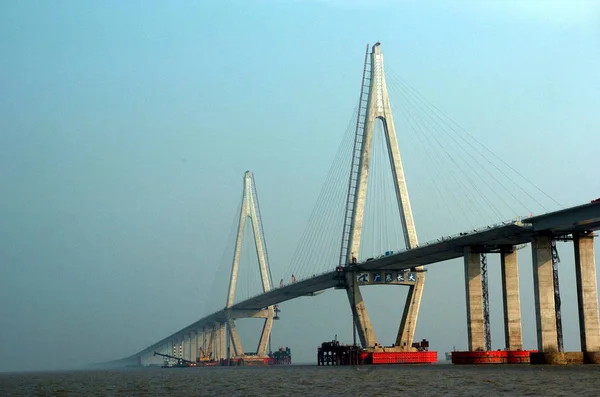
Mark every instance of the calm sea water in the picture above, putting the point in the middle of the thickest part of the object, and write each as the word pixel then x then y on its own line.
pixel 298 380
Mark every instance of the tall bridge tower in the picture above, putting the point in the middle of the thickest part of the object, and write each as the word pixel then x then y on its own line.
pixel 249 210
pixel 375 105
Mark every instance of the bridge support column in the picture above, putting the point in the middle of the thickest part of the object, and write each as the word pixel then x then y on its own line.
pixel 215 342
pixel 209 341
pixel 222 341
pixel 186 347
pixel 263 343
pixel 362 322
pixel 198 343
pixel 193 346
pixel 473 289
pixel 543 286
pixel 510 298
pixel 587 292
pixel 408 324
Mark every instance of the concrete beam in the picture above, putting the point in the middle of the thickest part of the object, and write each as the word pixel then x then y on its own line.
pixel 587 292
pixel 543 285
pixel 473 290
pixel 510 298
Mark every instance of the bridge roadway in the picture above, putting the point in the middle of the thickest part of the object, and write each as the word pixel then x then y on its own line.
pixel 581 218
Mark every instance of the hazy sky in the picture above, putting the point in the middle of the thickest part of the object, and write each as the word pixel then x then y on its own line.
pixel 126 128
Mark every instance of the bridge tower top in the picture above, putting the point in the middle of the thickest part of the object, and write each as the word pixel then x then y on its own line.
pixel 374 104
pixel 250 210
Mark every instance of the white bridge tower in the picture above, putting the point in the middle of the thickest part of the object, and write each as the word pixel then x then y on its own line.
pixel 374 104
pixel 251 211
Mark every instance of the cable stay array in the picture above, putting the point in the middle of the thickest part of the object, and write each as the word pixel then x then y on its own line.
pixel 455 184
pixel 249 281
pixel 319 246
pixel 382 228
pixel 214 298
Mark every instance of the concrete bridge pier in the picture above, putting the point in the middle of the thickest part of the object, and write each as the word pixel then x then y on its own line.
pixel 186 347
pixel 198 342
pixel 144 361
pixel 587 296
pixel 511 301
pixel 478 332
pixel 221 336
pixel 473 288
pixel 543 286
pixel 193 346
pixel 212 341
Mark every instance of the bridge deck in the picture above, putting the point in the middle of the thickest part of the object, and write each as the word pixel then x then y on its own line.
pixel 575 219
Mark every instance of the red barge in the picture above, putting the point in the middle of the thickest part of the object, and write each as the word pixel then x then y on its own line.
pixel 493 357
pixel 335 353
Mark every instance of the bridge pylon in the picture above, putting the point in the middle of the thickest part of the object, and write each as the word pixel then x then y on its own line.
pixel 375 104
pixel 249 211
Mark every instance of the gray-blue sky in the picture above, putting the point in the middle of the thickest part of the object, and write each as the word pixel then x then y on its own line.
pixel 125 130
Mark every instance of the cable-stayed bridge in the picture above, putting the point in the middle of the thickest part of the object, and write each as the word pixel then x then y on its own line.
pixel 362 232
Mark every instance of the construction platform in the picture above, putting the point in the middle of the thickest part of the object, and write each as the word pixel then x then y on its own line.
pixel 283 356
pixel 335 353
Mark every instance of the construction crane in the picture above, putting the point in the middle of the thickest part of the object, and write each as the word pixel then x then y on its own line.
pixel 203 357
